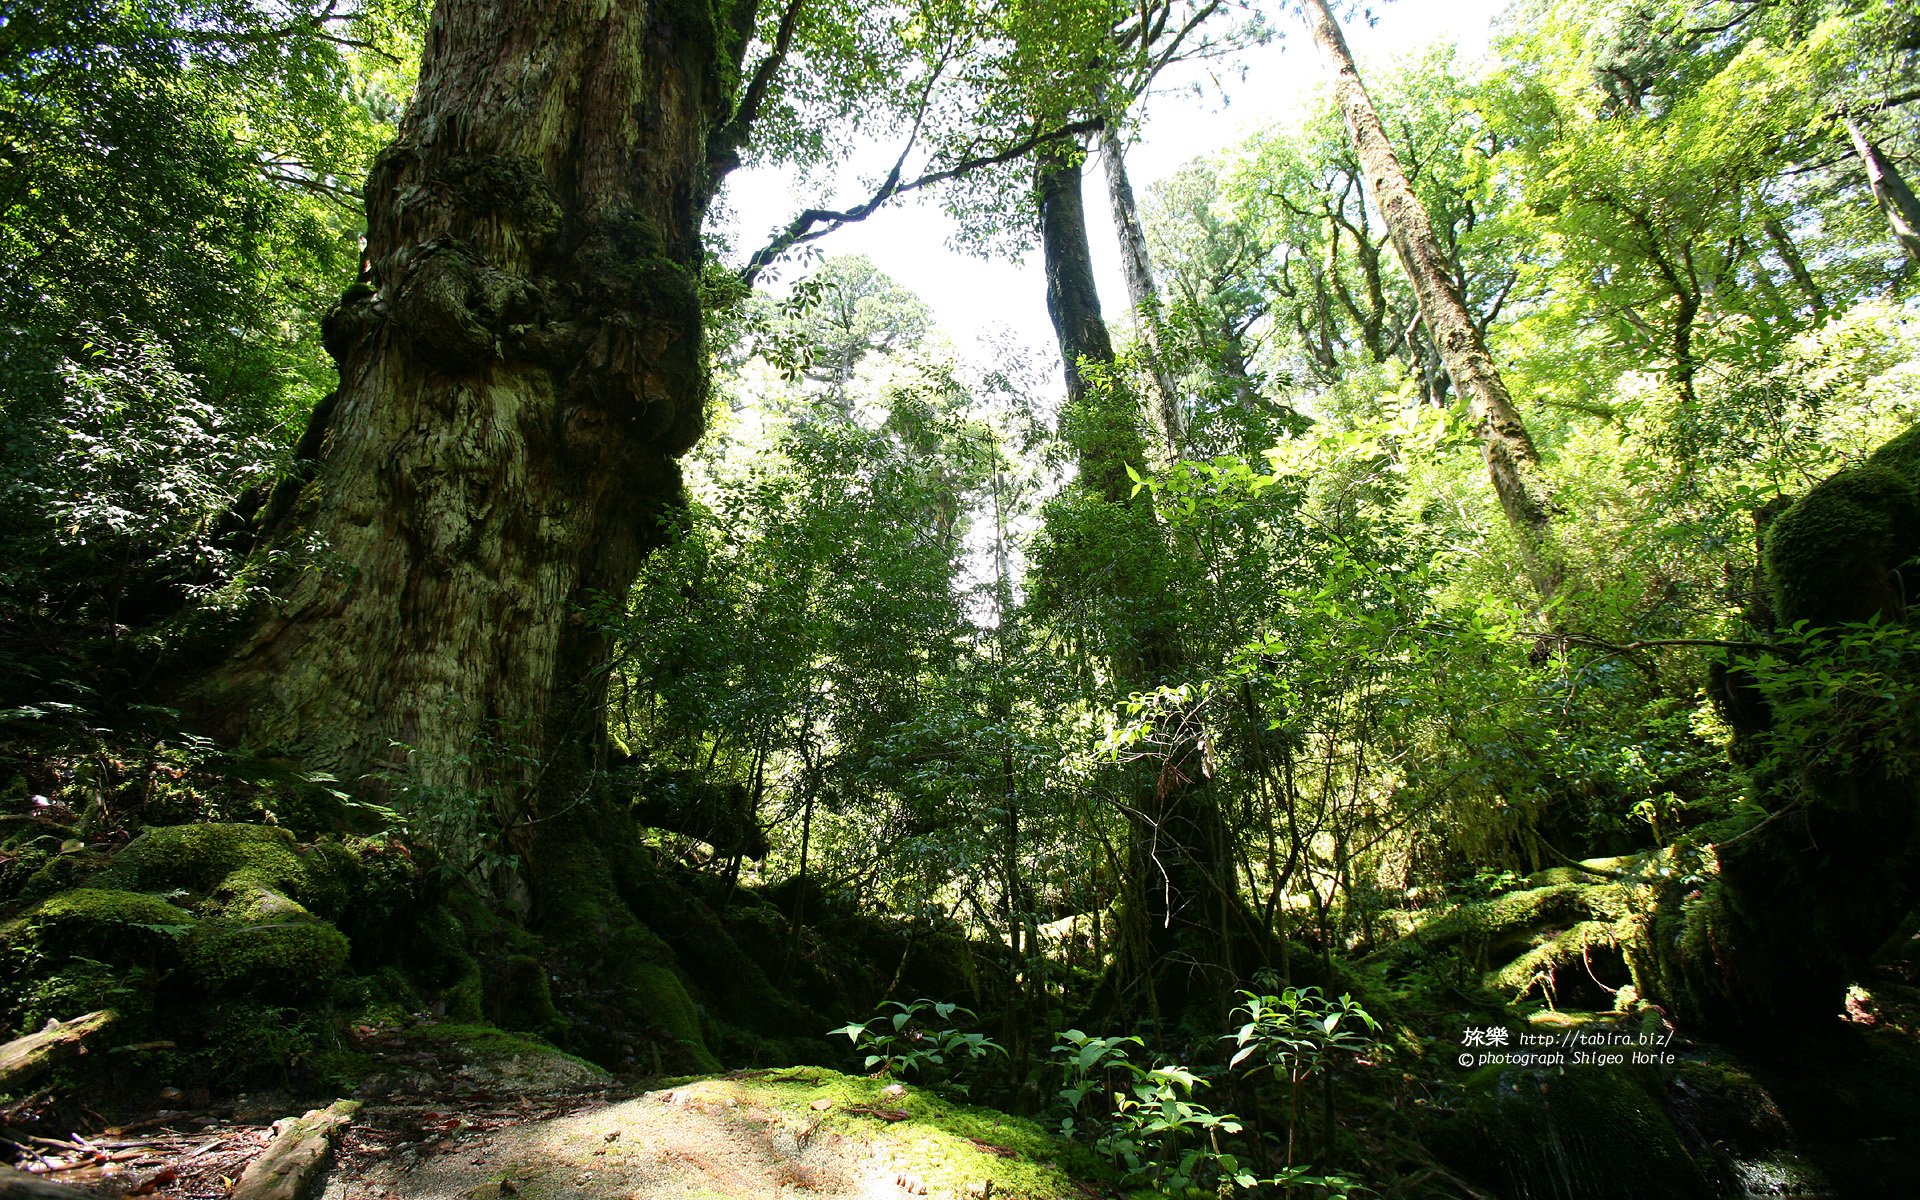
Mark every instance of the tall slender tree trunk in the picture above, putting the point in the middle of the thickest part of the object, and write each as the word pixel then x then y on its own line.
pixel 1198 936
pixel 1686 310
pixel 1137 267
pixel 1512 461
pixel 1896 199
pixel 1796 265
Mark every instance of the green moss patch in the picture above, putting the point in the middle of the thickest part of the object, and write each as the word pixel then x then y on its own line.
pixel 101 923
pixel 285 959
pixel 228 861
pixel 952 1149
pixel 1831 557
pixel 503 1061
pixel 659 994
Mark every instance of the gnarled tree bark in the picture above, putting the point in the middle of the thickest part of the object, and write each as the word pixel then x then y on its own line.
pixel 518 370
pixel 517 375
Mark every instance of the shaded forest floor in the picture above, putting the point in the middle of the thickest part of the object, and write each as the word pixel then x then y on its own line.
pixel 171 1102
pixel 548 1126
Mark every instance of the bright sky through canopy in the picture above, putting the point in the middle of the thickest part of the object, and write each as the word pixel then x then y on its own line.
pixel 970 295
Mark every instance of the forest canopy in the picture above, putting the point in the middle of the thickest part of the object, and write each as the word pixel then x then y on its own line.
pixel 451 572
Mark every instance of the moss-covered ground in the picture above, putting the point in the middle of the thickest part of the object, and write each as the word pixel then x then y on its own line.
pixel 761 1133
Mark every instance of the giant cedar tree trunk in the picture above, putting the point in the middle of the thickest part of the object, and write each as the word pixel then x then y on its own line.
pixel 1196 938
pixel 517 374
pixel 1512 461
pixel 516 378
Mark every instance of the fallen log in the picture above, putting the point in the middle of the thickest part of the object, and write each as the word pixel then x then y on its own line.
pixel 294 1165
pixel 23 1058
pixel 21 1185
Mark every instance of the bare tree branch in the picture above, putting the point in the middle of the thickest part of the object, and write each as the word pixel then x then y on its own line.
pixel 816 223
pixel 723 148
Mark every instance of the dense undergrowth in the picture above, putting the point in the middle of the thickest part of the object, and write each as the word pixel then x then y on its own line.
pixel 242 955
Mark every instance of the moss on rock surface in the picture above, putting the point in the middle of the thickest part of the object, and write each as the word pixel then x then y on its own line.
pixel 290 959
pixel 1834 555
pixel 805 1132
pixel 99 923
pixel 255 956
pixel 231 861
pixel 85 949
pixel 213 941
pixel 950 1149
pixel 228 903
pixel 497 1060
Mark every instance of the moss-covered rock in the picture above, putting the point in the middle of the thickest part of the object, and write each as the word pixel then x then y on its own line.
pixel 803 1133
pixel 1727 1107
pixel 498 1060
pixel 202 938
pixel 99 923
pixel 62 871
pixel 1772 913
pixel 940 1147
pixel 85 949
pixel 249 931
pixel 1900 455
pixel 291 959
pixel 1835 555
pixel 230 861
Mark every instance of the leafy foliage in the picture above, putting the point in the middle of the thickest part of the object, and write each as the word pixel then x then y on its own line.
pixel 950 645
pixel 911 1041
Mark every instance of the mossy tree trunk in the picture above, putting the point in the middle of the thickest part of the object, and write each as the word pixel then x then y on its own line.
pixel 1194 938
pixel 517 373
pixel 519 368
pixel 1512 461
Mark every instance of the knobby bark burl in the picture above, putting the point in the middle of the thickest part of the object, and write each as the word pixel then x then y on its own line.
pixel 517 373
